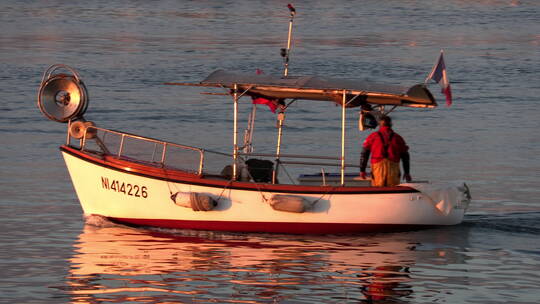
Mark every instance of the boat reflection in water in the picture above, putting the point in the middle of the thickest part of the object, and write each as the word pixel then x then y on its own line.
pixel 120 264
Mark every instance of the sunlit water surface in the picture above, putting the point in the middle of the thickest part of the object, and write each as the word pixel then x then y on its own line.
pixel 125 50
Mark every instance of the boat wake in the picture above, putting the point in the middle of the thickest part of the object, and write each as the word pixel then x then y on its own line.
pixel 99 221
pixel 528 222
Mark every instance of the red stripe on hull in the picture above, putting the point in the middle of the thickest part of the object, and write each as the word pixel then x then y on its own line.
pixel 269 227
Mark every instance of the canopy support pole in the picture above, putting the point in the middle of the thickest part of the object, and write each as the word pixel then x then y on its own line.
pixel 281 118
pixel 235 131
pixel 236 97
pixel 343 116
pixel 344 104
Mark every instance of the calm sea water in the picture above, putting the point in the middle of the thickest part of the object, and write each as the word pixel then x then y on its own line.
pixel 125 50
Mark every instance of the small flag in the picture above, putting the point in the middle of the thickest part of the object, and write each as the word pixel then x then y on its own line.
pixel 272 104
pixel 438 73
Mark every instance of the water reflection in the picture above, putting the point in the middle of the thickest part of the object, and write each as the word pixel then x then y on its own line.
pixel 121 264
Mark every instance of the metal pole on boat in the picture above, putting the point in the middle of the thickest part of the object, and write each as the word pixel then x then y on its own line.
pixel 68 139
pixel 235 130
pixel 121 148
pixel 285 52
pixel 248 133
pixel 281 118
pixel 343 116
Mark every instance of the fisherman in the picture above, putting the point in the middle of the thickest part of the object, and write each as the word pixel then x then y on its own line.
pixel 387 148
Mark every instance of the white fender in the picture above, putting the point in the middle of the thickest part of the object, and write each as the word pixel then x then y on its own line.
pixel 289 203
pixel 194 200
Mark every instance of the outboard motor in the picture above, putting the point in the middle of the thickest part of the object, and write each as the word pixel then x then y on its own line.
pixel 62 97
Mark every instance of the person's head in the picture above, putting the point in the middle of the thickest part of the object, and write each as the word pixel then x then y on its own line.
pixel 385 121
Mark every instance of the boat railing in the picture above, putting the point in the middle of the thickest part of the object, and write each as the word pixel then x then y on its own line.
pixel 164 154
pixel 294 162
pixel 142 149
pixel 299 156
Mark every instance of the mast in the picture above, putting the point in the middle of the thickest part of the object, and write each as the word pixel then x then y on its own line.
pixel 286 51
pixel 281 116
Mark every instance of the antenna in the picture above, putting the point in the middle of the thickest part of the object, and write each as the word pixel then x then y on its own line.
pixel 286 51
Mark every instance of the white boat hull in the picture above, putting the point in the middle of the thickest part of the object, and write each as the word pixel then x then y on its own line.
pixel 126 193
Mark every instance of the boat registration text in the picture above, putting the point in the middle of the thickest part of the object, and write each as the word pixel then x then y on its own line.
pixel 125 188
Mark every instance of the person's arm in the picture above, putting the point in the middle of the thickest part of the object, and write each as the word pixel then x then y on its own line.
pixel 364 157
pixel 405 158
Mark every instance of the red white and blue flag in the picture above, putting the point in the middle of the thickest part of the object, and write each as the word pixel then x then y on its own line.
pixel 438 73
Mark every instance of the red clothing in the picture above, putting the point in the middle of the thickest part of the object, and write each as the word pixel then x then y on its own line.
pixel 396 145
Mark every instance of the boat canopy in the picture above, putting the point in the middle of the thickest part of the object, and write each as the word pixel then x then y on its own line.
pixel 321 88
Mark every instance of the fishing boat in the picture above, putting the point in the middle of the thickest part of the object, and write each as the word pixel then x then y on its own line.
pixel 137 180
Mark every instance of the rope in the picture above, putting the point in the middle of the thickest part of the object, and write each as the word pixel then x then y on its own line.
pixel 224 188
pixel 288 175
pixel 257 185
pixel 167 181
pixel 320 198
